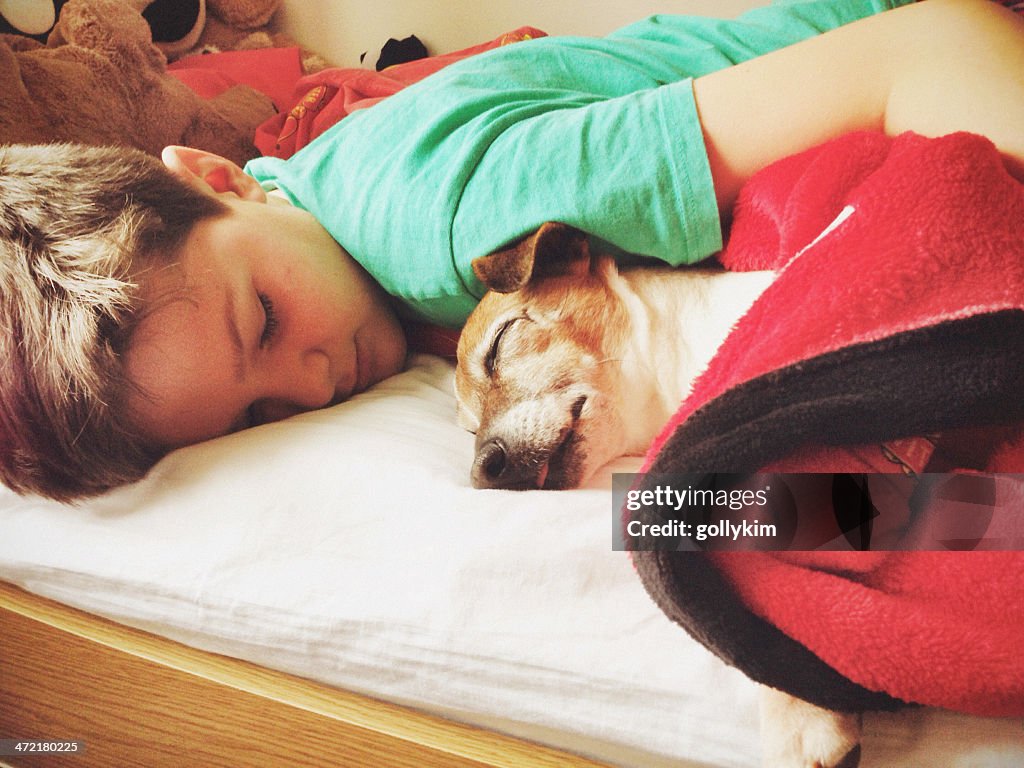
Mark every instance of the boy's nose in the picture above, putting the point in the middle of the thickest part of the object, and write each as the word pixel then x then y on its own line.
pixel 305 385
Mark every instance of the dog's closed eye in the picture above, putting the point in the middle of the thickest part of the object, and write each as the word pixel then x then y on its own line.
pixel 491 358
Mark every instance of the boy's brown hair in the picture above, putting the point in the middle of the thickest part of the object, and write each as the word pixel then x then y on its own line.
pixel 79 226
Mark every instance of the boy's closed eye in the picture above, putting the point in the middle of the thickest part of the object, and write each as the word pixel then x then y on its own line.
pixel 270 321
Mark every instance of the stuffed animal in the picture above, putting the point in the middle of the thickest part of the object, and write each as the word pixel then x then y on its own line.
pixel 183 27
pixel 175 25
pixel 32 18
pixel 230 22
pixel 101 80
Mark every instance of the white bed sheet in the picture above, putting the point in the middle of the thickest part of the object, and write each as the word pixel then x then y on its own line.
pixel 347 546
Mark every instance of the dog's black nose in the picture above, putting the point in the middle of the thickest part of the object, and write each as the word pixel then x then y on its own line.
pixel 490 464
pixel 495 466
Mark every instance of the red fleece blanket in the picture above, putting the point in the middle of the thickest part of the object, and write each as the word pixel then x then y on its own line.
pixel 892 341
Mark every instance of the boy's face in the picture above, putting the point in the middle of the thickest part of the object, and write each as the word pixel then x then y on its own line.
pixel 265 317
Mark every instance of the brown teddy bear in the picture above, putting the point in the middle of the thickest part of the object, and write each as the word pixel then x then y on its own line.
pixel 101 80
pixel 183 27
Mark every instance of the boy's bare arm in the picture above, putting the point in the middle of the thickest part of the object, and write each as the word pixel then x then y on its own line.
pixel 934 68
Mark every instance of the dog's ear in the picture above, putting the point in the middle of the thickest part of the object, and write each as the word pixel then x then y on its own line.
pixel 555 249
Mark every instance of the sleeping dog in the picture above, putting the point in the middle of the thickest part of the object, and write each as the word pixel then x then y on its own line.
pixel 569 362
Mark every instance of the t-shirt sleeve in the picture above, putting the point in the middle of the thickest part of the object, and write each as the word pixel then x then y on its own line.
pixel 631 171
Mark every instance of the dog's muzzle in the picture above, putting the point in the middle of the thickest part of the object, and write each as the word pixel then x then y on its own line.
pixel 528 466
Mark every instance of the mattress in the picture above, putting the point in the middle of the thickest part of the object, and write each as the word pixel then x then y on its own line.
pixel 347 546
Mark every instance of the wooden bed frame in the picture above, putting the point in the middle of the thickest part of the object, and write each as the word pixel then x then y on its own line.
pixel 136 699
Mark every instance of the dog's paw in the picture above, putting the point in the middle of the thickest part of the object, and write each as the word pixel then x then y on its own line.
pixel 796 734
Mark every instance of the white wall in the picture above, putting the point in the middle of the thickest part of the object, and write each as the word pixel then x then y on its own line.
pixel 341 30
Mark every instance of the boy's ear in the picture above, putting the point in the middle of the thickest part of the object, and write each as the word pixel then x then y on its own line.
pixel 216 173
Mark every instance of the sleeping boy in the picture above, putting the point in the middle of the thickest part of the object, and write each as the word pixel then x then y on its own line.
pixel 150 304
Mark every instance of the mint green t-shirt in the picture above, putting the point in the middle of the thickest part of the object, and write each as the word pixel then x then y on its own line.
pixel 599 133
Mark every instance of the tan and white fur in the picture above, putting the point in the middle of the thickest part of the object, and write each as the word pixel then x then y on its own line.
pixel 569 362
